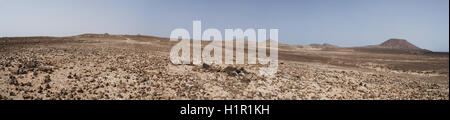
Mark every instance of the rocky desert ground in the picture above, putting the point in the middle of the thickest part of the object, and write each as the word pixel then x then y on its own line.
pixel 103 66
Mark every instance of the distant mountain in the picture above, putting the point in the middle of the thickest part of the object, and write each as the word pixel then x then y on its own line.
pixel 324 45
pixel 399 44
pixel 394 46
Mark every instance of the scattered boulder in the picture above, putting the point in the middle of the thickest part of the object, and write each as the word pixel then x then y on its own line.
pixel 21 71
pixel 26 84
pixel 31 64
pixel 209 68
pixel 233 71
pixel 245 80
pixel 206 66
pixel 47 79
pixel 145 79
pixel 47 86
pixel 80 91
pixel 12 94
pixel 13 80
pixel 47 69
pixel 40 89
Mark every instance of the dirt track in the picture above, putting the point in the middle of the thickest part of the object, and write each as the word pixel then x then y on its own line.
pixel 138 67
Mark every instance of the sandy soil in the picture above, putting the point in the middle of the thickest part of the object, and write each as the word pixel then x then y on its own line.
pixel 138 67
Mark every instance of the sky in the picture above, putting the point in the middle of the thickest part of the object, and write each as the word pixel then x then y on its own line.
pixel 346 23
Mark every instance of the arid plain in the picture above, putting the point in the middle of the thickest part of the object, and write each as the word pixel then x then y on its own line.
pixel 103 66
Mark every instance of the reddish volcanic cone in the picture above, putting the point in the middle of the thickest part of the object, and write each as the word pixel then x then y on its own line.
pixel 399 44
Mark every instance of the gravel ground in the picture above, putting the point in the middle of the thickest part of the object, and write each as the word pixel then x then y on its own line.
pixel 111 67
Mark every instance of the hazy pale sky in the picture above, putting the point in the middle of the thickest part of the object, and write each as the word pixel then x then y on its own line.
pixel 424 23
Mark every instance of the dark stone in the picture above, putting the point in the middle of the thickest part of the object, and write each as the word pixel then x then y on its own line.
pixel 245 80
pixel 12 94
pixel 46 69
pixel 205 66
pixel 230 71
pixel 27 84
pixel 47 86
pixel 145 79
pixel 13 80
pixel 47 79
pixel 80 91
pixel 31 64
pixel 21 71
pixel 233 71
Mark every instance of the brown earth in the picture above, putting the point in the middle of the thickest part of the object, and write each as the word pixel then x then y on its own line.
pixel 103 66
